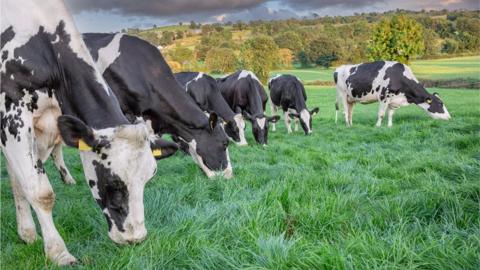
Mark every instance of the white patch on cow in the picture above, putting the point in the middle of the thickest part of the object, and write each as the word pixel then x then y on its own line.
pixel 246 73
pixel 238 118
pixel 25 29
pixel 305 116
pixel 108 54
pixel 57 39
pixel 397 101
pixel 198 77
pixel 12 77
pixel 275 77
pixel 261 122
pixel 409 74
pixel 21 60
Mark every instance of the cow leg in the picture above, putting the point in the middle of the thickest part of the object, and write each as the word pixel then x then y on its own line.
pixel 287 121
pixel 296 123
pixel 349 113
pixel 57 155
pixel 274 109
pixel 25 224
pixel 381 113
pixel 390 116
pixel 27 170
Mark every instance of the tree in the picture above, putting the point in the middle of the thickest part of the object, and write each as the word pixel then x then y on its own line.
pixel 193 25
pixel 259 54
pixel 398 39
pixel 201 52
pixel 182 55
pixel 322 51
pixel 289 40
pixel 221 60
pixel 167 38
pixel 285 58
pixel 174 66
pixel 179 34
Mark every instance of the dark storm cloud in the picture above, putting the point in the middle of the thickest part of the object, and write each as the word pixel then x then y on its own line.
pixel 330 3
pixel 161 7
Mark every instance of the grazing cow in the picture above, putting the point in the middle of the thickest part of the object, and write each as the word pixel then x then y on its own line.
pixel 390 83
pixel 48 74
pixel 146 87
pixel 203 89
pixel 245 94
pixel 287 91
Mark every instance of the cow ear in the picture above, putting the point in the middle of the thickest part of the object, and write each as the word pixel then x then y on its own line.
pixel 314 111
pixel 162 148
pixel 436 94
pixel 273 119
pixel 75 133
pixel 212 121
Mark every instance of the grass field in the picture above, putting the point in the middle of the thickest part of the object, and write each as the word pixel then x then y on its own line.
pixel 406 197
pixel 438 69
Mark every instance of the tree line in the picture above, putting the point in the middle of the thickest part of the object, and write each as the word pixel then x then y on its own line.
pixel 261 46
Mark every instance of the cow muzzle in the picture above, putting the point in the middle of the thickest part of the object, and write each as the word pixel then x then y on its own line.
pixel 132 234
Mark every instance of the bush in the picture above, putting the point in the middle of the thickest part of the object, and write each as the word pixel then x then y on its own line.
pixel 175 66
pixel 259 54
pixel 221 60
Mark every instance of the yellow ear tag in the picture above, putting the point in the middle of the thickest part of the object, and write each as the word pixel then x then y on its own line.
pixel 157 152
pixel 83 146
pixel 429 101
pixel 314 114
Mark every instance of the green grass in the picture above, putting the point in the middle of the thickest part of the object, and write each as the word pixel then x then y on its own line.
pixel 406 197
pixel 438 69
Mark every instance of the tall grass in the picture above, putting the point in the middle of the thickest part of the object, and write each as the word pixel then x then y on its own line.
pixel 406 197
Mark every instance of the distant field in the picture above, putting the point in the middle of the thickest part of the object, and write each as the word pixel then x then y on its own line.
pixel 439 69
pixel 406 197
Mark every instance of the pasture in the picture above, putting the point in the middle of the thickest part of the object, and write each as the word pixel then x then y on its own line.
pixel 343 198
pixel 437 69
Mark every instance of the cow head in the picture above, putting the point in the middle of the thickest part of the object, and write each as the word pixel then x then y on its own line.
pixel 305 117
pixel 235 129
pixel 260 126
pixel 434 106
pixel 208 147
pixel 117 163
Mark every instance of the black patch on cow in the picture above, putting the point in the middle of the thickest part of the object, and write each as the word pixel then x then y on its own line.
pixel 39 167
pixel 362 76
pixel 91 183
pixel 113 194
pixel 63 173
pixel 6 36
pixel 104 156
pixel 335 77
pixel 4 56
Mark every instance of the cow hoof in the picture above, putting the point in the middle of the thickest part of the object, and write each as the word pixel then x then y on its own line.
pixel 64 258
pixel 28 235
pixel 69 180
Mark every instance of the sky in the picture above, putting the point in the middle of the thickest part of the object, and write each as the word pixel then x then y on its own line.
pixel 114 15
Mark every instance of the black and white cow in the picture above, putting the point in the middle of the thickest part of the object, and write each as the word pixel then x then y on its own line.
pixel 245 94
pixel 146 87
pixel 204 90
pixel 390 83
pixel 287 91
pixel 48 74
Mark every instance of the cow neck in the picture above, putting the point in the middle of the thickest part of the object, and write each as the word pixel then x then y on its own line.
pixel 218 103
pixel 299 99
pixel 254 99
pixel 414 92
pixel 84 93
